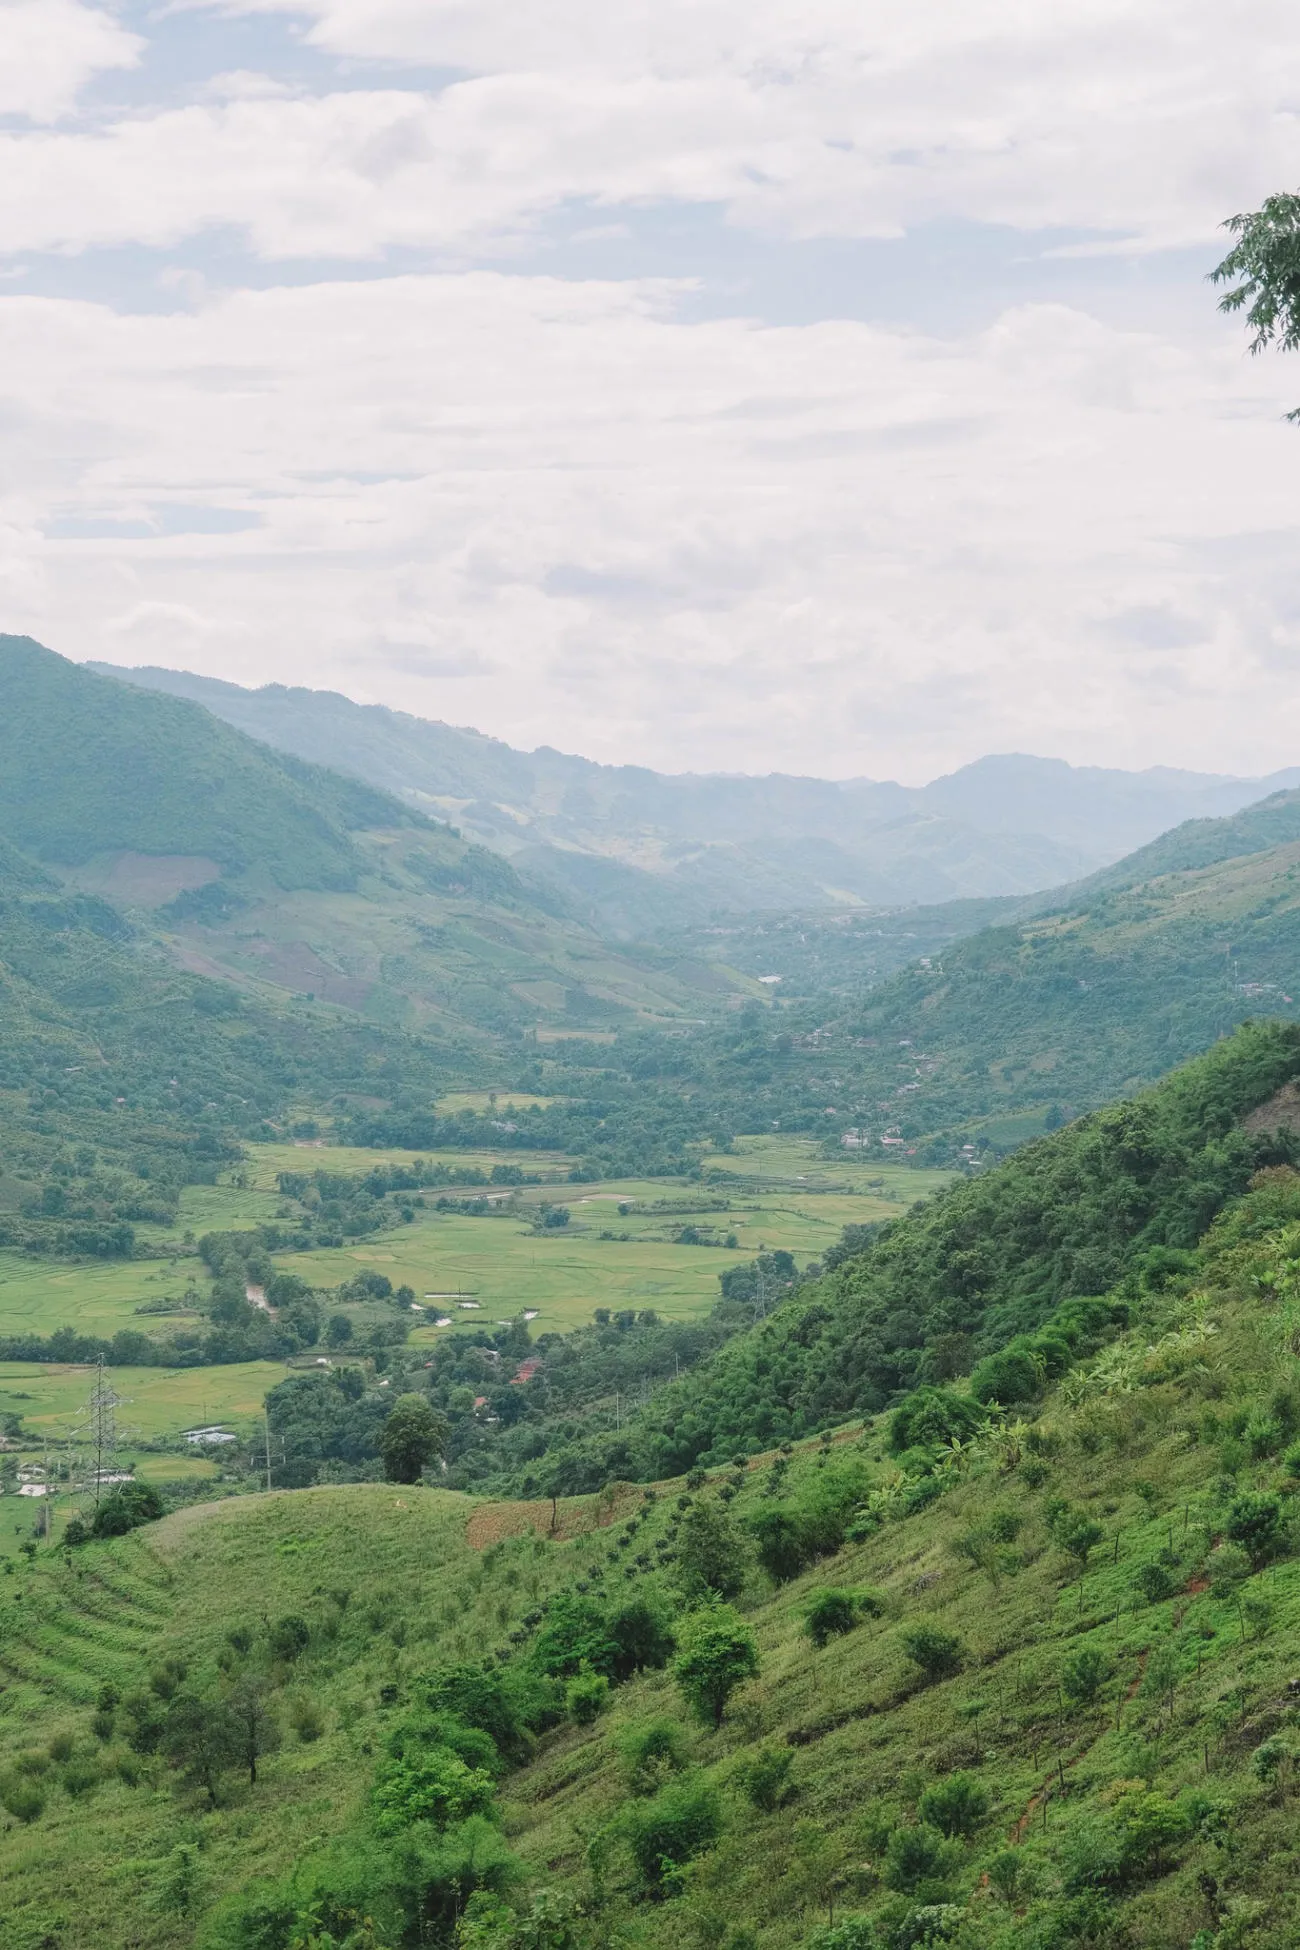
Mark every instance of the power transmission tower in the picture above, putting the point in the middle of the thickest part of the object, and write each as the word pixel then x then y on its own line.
pixel 98 1430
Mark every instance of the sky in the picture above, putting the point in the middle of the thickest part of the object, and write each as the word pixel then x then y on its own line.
pixel 732 385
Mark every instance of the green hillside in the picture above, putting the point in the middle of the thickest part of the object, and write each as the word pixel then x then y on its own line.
pixel 1007 1667
pixel 89 767
pixel 993 1038
pixel 1275 821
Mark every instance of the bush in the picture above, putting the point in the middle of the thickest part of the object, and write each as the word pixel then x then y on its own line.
pixel 938 1654
pixel 931 1418
pixel 1255 1522
pixel 80 1776
pixel 651 1752
pixel 575 1635
pixel 434 1786
pixel 126 1508
pixel 664 1833
pixel 1083 1676
pixel 833 1612
pixel 290 1637
pixel 641 1635
pixel 1156 1582
pixel 306 1719
pixel 765 1777
pixel 917 1859
pixel 20 1795
pixel 586 1697
pixel 503 1705
pixel 955 1806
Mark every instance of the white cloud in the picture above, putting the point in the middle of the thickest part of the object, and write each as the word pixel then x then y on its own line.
pixel 50 49
pixel 558 512
pixel 1147 120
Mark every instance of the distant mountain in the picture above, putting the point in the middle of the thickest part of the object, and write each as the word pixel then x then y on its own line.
pixel 257 868
pixel 635 850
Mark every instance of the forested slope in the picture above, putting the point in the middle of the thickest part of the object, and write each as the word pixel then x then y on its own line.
pixel 1000 1679
pixel 960 1277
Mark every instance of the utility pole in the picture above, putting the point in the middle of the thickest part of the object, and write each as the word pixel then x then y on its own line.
pixel 266 1422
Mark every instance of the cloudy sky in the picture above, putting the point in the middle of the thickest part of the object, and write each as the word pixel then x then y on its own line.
pixel 717 384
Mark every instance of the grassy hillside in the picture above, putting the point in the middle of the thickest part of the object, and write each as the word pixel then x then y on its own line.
pixel 91 767
pixel 1028 1689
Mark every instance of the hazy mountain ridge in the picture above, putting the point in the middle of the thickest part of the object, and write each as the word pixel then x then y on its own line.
pixel 674 849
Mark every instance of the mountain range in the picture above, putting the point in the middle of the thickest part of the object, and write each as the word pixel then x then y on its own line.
pixel 634 851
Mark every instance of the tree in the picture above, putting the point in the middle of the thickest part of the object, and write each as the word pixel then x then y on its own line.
pixel 1255 1522
pixel 1083 1676
pixel 1263 272
pixel 1076 1533
pixel 433 1785
pixel 718 1653
pixel 711 1551
pixel 126 1508
pixel 411 1437
pixel 202 1739
pixel 257 1730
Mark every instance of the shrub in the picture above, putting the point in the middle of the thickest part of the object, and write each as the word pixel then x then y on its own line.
pixel 468 1858
pixel 586 1697
pixel 931 1418
pixel 641 1635
pixel 575 1635
pixel 1016 1374
pixel 917 1857
pixel 126 1508
pixel 937 1653
pixel 955 1806
pixel 1083 1676
pixel 712 1553
pixel 290 1637
pixel 651 1752
pixel 20 1795
pixel 765 1777
pixel 782 1541
pixel 1006 1873
pixel 80 1776
pixel 504 1705
pixel 306 1718
pixel 664 1833
pixel 850 1933
pixel 718 1653
pixel 1227 1567
pixel 833 1612
pixel 434 1786
pixel 1156 1582
pixel 1255 1522
pixel 1149 1827
pixel 1076 1533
